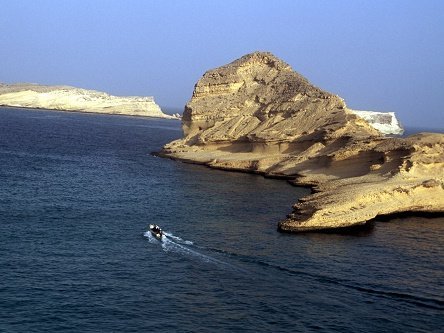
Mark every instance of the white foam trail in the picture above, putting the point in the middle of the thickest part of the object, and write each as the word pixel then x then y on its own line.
pixel 150 237
pixel 178 239
pixel 171 243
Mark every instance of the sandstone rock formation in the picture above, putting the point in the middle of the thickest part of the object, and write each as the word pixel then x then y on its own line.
pixel 76 99
pixel 257 115
pixel 375 178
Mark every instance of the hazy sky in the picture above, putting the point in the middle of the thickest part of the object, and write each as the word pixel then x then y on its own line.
pixel 385 55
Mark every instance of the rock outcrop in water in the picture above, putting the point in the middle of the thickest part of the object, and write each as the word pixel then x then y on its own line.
pixel 75 99
pixel 257 115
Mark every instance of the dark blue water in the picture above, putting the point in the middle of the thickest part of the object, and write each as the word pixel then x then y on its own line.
pixel 77 192
pixel 414 130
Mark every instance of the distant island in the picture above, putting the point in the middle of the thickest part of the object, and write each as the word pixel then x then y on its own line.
pixel 258 115
pixel 66 98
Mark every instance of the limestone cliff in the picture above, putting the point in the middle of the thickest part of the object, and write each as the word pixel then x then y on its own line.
pixel 256 114
pixel 384 122
pixel 76 99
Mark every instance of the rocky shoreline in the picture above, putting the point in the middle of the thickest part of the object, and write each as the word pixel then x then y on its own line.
pixel 66 98
pixel 257 115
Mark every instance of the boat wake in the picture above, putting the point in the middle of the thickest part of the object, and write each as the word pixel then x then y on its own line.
pixel 178 239
pixel 172 243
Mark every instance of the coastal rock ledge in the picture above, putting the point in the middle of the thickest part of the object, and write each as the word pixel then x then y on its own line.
pixel 258 115
pixel 66 98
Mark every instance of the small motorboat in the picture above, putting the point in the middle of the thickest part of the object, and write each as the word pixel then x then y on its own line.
pixel 156 231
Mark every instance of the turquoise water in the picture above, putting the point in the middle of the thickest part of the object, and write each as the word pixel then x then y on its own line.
pixel 78 191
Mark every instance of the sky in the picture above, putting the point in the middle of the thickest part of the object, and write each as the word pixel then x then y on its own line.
pixel 379 55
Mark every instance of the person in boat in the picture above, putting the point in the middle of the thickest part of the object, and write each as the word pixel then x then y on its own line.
pixel 156 229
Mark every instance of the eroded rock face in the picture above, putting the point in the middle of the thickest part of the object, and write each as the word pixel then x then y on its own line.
pixel 259 98
pixel 256 114
pixel 397 175
pixel 76 99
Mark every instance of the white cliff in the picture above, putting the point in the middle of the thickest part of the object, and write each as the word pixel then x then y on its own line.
pixel 385 122
pixel 68 98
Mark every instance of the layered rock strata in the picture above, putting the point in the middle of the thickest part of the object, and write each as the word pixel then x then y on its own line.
pixel 257 115
pixel 75 99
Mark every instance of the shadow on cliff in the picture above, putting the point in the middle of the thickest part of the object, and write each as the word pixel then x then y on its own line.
pixel 361 230
pixel 368 228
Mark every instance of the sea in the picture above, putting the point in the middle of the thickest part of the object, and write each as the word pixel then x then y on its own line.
pixel 78 191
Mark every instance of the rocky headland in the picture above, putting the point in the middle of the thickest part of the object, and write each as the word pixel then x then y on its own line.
pixel 258 115
pixel 66 98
